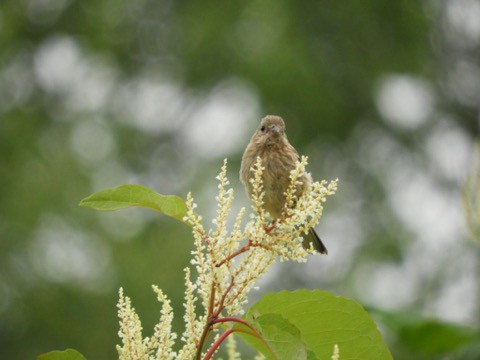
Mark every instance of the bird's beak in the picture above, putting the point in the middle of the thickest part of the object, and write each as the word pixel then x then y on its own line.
pixel 276 129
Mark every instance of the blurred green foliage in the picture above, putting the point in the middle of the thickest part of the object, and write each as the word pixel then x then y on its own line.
pixel 419 337
pixel 94 94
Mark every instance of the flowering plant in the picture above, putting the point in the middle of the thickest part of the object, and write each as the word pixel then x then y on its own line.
pixel 226 263
pixel 224 279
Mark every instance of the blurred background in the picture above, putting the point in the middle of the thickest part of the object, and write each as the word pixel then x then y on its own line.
pixel 383 95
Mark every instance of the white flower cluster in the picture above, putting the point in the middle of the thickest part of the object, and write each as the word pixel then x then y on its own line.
pixel 286 238
pixel 224 275
pixel 134 346
pixel 336 353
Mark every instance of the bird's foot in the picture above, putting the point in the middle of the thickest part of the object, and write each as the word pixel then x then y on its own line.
pixel 268 229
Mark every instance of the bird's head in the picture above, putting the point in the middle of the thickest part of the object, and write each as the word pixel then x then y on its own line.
pixel 271 130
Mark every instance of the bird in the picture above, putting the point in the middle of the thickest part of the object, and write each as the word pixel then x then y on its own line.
pixel 279 158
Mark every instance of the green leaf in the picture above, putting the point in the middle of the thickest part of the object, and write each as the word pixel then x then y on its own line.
pixel 322 320
pixel 283 338
pixel 68 354
pixel 428 336
pixel 125 196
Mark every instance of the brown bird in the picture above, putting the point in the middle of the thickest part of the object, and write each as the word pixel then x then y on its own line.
pixel 270 143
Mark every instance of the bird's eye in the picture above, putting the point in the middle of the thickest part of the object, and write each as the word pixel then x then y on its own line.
pixel 262 129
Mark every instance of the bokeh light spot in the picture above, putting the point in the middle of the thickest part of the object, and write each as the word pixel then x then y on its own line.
pixel 404 101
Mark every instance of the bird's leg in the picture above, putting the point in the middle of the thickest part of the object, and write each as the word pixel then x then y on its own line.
pixel 284 216
pixel 268 229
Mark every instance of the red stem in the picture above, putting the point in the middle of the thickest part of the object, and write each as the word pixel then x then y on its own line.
pixel 232 319
pixel 207 329
pixel 250 244
pixel 238 252
pixel 222 300
pixel 213 316
pixel 222 337
pixel 254 333
pixel 217 343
